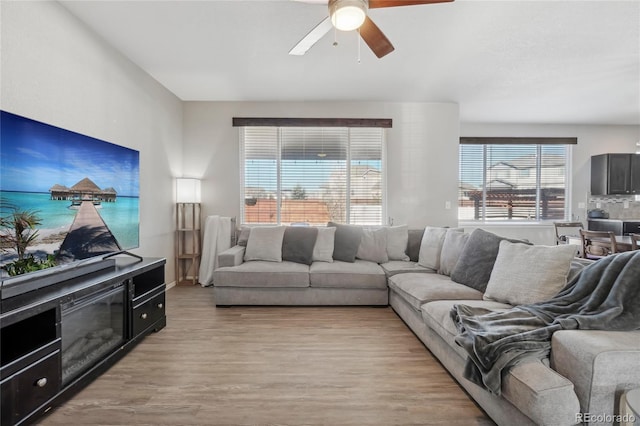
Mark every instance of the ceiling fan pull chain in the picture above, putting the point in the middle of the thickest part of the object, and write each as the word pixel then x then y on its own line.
pixel 359 43
pixel 335 37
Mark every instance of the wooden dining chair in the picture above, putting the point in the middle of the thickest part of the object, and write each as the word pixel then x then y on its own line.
pixel 598 244
pixel 635 241
pixel 566 229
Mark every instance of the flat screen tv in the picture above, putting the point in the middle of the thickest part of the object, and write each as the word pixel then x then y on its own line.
pixel 82 192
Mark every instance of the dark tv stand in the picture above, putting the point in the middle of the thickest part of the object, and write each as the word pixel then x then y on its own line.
pixel 34 349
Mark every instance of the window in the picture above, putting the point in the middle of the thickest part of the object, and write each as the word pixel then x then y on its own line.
pixel 312 175
pixel 513 179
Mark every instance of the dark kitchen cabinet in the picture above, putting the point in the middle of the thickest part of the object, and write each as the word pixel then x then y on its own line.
pixel 613 174
pixel 635 173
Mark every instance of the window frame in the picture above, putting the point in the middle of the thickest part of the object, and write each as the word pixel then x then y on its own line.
pixel 538 143
pixel 352 124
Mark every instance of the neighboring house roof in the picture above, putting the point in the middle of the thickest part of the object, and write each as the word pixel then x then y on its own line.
pixel 465 186
pixel 529 162
pixel 501 183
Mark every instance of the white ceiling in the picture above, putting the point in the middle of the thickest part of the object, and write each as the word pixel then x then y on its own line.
pixel 503 61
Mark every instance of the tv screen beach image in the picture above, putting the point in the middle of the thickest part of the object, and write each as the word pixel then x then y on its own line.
pixel 83 191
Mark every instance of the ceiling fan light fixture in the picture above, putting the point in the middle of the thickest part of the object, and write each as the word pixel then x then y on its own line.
pixel 347 15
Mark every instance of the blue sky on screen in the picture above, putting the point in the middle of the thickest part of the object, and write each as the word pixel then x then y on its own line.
pixel 35 156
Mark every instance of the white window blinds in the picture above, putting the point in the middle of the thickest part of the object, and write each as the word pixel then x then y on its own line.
pixel 312 175
pixel 367 180
pixel 513 182
pixel 314 162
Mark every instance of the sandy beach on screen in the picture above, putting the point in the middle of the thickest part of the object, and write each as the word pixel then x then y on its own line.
pixel 48 242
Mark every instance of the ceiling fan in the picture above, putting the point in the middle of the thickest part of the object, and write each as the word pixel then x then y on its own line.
pixel 348 15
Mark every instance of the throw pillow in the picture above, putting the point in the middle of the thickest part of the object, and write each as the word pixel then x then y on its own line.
pixel 347 241
pixel 454 242
pixel 298 244
pixel 526 274
pixel 413 244
pixel 475 264
pixel 431 246
pixel 397 240
pixel 373 245
pixel 243 236
pixel 323 250
pixel 265 243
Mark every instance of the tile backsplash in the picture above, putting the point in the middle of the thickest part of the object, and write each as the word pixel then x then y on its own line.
pixel 618 207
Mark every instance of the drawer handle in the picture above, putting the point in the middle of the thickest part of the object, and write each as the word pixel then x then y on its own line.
pixel 160 305
pixel 143 316
pixel 41 382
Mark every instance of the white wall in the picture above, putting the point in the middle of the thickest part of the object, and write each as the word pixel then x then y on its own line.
pixel 56 71
pixel 592 140
pixel 422 152
pixel 53 69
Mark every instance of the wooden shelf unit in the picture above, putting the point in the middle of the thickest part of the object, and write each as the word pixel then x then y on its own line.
pixel 188 242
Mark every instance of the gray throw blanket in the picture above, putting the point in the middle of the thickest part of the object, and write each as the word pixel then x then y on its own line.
pixel 604 296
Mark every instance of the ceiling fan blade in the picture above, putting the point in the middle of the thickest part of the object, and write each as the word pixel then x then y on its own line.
pixel 312 38
pixel 375 4
pixel 375 39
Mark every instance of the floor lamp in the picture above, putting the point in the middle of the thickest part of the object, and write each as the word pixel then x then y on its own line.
pixel 188 224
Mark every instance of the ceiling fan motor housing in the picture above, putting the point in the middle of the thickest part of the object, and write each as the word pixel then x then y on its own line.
pixel 348 15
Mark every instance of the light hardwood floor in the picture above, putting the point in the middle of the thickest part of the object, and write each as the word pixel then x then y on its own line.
pixel 273 366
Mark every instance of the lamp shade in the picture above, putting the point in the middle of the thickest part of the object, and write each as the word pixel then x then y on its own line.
pixel 347 15
pixel 187 190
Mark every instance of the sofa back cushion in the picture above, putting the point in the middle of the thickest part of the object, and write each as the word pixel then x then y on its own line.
pixel 373 245
pixel 454 242
pixel 265 243
pixel 397 242
pixel 477 259
pixel 243 236
pixel 413 244
pixel 431 247
pixel 525 274
pixel 323 249
pixel 347 241
pixel 298 244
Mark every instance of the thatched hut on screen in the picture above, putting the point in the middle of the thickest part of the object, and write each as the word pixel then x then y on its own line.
pixel 84 190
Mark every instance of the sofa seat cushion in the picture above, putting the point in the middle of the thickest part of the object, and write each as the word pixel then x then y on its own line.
pixel 339 274
pixel 394 267
pixel 539 392
pixel 420 288
pixel 437 316
pixel 260 273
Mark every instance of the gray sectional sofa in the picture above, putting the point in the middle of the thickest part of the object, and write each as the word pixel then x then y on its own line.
pixel 422 275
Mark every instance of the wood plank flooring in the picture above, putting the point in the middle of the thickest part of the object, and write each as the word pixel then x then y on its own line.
pixel 273 366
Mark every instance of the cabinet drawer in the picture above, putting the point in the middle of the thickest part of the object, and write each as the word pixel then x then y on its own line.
pixel 27 390
pixel 147 313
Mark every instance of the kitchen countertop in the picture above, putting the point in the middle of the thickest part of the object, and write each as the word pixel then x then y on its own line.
pixel 615 220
